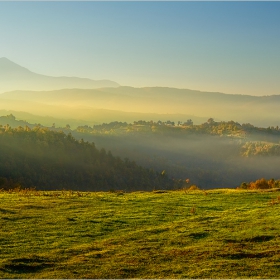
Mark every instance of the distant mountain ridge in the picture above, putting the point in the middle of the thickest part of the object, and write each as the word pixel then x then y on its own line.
pixel 105 101
pixel 123 101
pixel 16 77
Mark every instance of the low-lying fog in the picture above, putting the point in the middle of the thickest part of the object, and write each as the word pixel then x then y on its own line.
pixel 208 161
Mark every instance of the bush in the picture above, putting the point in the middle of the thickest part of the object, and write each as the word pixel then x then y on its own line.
pixel 260 184
pixel 193 188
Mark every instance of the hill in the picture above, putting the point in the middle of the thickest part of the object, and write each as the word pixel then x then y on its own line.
pixel 44 120
pixel 71 113
pixel 54 160
pixel 16 77
pixel 156 100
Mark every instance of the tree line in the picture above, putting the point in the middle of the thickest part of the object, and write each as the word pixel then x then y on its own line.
pixel 222 128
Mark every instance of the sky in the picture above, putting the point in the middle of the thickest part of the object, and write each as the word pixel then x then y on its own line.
pixel 230 47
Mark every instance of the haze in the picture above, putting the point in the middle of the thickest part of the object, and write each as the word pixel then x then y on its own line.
pixel 189 81
pixel 229 47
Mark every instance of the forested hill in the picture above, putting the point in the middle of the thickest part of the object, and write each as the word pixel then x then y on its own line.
pixel 48 159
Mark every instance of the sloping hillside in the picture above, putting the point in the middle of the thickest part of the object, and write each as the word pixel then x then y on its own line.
pixel 53 160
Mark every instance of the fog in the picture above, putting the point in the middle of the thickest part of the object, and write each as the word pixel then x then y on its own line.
pixel 64 103
pixel 129 104
pixel 208 161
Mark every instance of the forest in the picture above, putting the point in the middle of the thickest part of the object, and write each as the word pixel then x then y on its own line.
pixel 47 159
pixel 143 155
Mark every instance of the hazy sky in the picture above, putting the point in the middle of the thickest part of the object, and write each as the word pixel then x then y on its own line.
pixel 231 47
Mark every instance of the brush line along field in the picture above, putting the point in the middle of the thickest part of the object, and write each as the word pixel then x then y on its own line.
pixel 218 233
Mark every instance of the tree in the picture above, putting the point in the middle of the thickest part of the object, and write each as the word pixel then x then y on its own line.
pixel 188 122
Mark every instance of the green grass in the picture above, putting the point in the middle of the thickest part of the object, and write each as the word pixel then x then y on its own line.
pixel 174 234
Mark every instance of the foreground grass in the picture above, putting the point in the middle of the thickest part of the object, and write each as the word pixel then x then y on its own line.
pixel 176 234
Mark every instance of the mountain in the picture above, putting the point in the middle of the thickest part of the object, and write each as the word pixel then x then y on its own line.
pixel 16 77
pixel 258 110
pixel 70 97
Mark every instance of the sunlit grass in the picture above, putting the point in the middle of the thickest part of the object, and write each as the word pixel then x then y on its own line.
pixel 170 234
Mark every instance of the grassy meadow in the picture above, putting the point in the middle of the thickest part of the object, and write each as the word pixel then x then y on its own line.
pixel 161 234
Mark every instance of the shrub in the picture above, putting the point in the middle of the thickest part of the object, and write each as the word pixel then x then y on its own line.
pixel 260 184
pixel 193 188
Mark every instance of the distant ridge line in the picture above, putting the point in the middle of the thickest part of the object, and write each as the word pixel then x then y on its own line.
pixel 15 77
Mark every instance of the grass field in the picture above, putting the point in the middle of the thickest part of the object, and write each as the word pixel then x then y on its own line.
pixel 174 234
